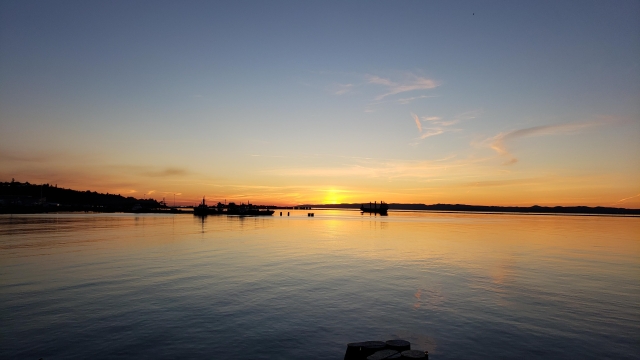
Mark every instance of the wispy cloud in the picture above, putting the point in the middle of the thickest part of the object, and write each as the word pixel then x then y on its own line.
pixel 411 82
pixel 374 105
pixel 508 182
pixel 398 83
pixel 270 156
pixel 344 88
pixel 170 193
pixel 150 171
pixel 431 132
pixel 499 142
pixel 437 125
pixel 625 199
pixel 39 157
pixel 391 168
pixel 168 172
pixel 417 120
pixel 427 132
pixel 436 120
pixel 405 101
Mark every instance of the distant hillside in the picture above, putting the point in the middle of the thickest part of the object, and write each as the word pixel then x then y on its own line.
pixel 484 208
pixel 26 196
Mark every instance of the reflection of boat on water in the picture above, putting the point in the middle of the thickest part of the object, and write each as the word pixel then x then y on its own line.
pixel 246 210
pixel 375 208
pixel 203 209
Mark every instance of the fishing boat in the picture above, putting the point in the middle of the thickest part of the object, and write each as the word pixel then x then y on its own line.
pixel 375 208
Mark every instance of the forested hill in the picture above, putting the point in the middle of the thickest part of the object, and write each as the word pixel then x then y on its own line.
pixel 12 192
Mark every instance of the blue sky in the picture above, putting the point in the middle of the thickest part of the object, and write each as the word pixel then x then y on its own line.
pixel 505 102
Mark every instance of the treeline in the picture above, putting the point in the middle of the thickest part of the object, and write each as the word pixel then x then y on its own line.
pixel 25 195
pixel 501 209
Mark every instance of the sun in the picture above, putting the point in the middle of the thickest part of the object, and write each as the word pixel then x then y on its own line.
pixel 332 196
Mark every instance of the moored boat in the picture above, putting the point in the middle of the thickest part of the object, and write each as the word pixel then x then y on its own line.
pixel 203 209
pixel 375 208
pixel 247 210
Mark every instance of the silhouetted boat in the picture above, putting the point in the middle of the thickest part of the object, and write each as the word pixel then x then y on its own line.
pixel 203 209
pixel 375 208
pixel 247 210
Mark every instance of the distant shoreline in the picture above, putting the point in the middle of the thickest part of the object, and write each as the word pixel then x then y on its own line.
pixel 26 198
pixel 462 208
pixel 490 212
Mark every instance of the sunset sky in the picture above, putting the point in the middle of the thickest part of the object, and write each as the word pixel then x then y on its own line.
pixel 291 102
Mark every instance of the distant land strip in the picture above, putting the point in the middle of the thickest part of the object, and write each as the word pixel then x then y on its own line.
pixel 598 210
pixel 17 197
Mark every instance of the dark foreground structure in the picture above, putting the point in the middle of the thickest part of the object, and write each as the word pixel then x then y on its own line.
pixel 379 350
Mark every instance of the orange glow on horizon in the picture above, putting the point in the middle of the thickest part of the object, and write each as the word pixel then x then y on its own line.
pixel 605 190
pixel 324 196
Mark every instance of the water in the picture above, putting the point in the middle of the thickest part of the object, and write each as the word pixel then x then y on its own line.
pixel 79 286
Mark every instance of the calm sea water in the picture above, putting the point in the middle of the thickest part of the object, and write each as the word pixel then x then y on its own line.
pixel 80 286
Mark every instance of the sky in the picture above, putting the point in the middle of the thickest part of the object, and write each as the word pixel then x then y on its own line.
pixel 290 102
